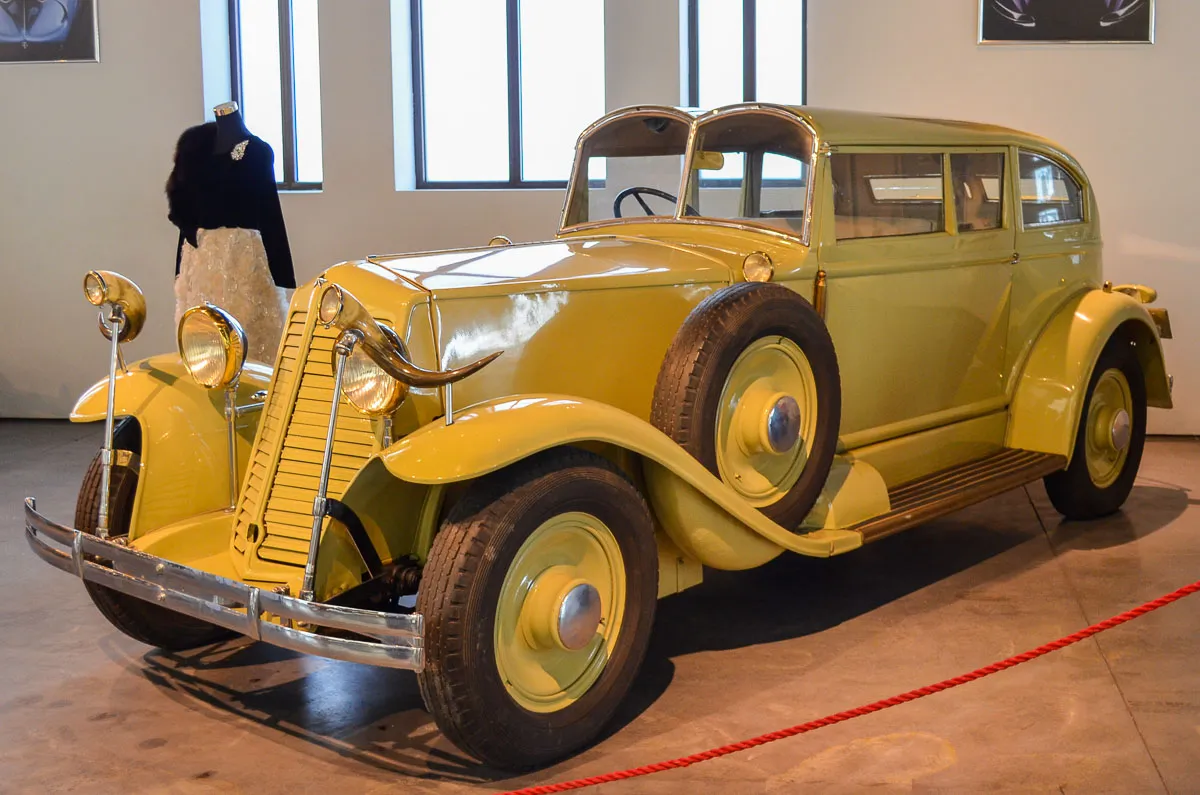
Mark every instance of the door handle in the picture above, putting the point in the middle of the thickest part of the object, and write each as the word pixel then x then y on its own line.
pixel 1016 258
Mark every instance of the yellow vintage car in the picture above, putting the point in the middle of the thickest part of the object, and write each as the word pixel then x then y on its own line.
pixel 486 465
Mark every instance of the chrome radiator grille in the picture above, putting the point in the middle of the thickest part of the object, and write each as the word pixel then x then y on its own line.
pixel 279 500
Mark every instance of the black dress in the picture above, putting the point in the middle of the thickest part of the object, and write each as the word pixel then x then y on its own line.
pixel 215 190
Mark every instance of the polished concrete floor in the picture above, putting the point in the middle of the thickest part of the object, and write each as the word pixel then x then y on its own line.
pixel 84 709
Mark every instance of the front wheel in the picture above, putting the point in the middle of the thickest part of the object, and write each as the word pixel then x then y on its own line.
pixel 538 598
pixel 1110 438
pixel 140 620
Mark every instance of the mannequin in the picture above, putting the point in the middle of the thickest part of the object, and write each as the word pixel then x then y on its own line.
pixel 231 129
pixel 233 249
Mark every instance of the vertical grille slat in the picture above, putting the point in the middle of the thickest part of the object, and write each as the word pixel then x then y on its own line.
pixel 286 462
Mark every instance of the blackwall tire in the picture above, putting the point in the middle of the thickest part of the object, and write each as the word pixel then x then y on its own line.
pixel 496 688
pixel 732 344
pixel 1097 482
pixel 140 620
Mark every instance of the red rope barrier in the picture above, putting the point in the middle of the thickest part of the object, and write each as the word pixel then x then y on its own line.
pixel 829 720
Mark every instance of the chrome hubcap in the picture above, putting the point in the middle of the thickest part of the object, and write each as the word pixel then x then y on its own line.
pixel 783 424
pixel 579 616
pixel 1122 430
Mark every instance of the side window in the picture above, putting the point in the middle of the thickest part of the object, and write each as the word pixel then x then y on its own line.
pixel 887 195
pixel 1049 194
pixel 978 180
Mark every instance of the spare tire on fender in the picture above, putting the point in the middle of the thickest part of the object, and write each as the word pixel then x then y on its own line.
pixel 750 387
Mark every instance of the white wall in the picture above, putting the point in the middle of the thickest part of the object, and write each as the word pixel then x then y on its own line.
pixel 85 150
pixel 1129 113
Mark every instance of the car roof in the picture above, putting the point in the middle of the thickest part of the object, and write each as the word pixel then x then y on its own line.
pixel 836 127
pixel 850 127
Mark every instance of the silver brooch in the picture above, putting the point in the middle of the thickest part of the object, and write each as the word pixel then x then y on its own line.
pixel 239 151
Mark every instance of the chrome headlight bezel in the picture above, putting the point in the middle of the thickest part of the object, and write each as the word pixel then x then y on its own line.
pixel 107 287
pixel 370 388
pixel 230 342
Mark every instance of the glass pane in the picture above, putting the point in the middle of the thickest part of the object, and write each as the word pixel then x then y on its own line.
pixel 465 66
pixel 720 52
pixel 643 152
pixel 778 147
pixel 977 179
pixel 562 81
pixel 262 99
pixel 307 73
pixel 887 195
pixel 653 180
pixel 779 51
pixel 1049 194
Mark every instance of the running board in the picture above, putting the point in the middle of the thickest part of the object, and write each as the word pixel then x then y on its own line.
pixel 949 490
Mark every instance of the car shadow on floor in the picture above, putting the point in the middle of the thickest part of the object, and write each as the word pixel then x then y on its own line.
pixel 1150 508
pixel 374 716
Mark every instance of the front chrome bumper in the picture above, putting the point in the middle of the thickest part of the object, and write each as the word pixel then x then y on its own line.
pixel 226 603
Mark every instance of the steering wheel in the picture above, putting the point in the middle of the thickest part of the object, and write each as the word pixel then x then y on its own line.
pixel 636 192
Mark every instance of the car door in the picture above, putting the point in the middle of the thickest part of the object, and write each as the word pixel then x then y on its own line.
pixel 1058 245
pixel 917 298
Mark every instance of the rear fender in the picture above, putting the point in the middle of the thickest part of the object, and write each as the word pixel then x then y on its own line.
pixel 184 468
pixel 702 516
pixel 1049 394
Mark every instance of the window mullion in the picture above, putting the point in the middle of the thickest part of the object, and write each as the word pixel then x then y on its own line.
pixel 693 45
pixel 514 92
pixel 749 50
pixel 418 91
pixel 235 51
pixel 287 84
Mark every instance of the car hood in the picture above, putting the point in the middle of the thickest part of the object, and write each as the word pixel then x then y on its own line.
pixel 573 264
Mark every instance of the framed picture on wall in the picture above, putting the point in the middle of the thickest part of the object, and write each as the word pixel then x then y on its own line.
pixel 1066 21
pixel 48 31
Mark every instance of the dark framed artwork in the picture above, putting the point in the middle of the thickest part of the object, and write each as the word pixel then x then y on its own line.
pixel 1064 21
pixel 42 31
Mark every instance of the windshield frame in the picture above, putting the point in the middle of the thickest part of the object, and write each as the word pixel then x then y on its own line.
pixel 579 178
pixel 691 176
pixel 694 119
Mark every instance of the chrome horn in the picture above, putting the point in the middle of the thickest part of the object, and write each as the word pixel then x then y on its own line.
pixel 340 308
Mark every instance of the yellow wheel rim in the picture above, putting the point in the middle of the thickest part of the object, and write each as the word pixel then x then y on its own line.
pixel 769 373
pixel 548 656
pixel 1109 429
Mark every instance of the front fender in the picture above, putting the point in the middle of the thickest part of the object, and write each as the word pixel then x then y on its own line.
pixel 184 468
pixel 1049 394
pixel 706 518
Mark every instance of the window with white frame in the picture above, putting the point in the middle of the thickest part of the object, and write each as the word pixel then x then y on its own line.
pixel 275 72
pixel 502 88
pixel 747 51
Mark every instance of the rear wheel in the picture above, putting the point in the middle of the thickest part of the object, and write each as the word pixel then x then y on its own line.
pixel 1109 441
pixel 140 620
pixel 538 597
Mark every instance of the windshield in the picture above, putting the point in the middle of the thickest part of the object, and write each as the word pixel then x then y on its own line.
pixel 752 165
pixel 629 168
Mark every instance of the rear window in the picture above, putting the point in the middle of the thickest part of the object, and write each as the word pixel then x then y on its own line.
pixel 881 194
pixel 1049 194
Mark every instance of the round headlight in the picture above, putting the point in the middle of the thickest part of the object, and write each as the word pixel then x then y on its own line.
pixel 331 305
pixel 94 288
pixel 368 388
pixel 212 345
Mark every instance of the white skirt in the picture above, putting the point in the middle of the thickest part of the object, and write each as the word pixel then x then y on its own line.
pixel 229 270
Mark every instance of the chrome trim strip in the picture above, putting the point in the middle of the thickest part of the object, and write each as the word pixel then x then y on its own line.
pixel 249 408
pixel 231 415
pixel 113 323
pixel 236 606
pixel 342 350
